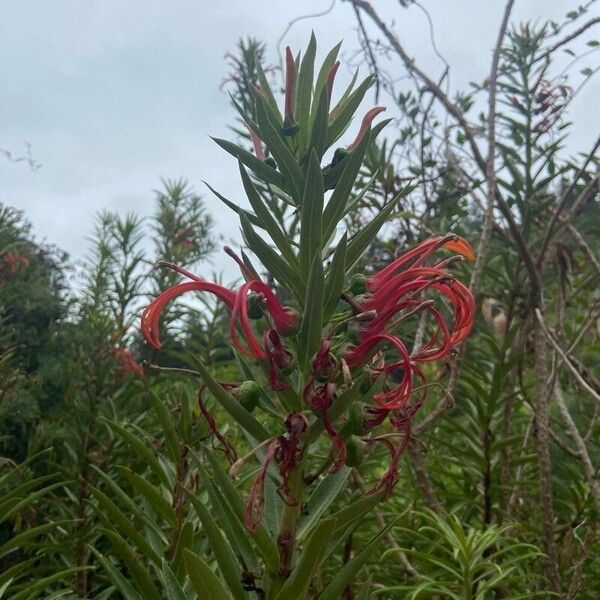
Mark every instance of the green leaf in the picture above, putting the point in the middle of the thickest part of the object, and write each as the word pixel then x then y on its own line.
pixel 304 90
pixel 257 166
pixel 19 540
pixel 114 517
pixel 347 110
pixel 168 426
pixel 322 76
pixel 235 208
pixel 312 318
pixel 265 219
pixel 184 542
pixel 356 510
pixel 360 242
pixel 274 264
pixel 284 158
pixel 41 584
pixel 311 212
pixel 7 513
pixel 142 578
pixel 236 533
pixel 130 504
pixel 321 499
pixel 151 492
pixel 207 585
pixel 147 455
pixel 226 560
pixel 334 211
pixel 334 282
pixel 266 88
pixel 123 586
pixel 309 561
pixel 318 135
pixel 264 543
pixel 346 574
pixel 232 406
pixel 173 589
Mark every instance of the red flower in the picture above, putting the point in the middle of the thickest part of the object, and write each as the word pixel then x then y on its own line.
pixel 127 364
pixel 151 314
pixel 364 126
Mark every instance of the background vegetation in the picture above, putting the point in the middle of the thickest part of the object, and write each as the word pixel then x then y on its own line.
pixel 498 493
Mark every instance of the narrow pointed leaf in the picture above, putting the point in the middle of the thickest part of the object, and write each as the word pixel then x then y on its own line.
pixel 235 208
pixel 346 112
pixel 296 586
pixel 232 406
pixel 311 211
pixel 321 499
pixel 283 156
pixel 265 219
pixel 264 543
pixel 206 584
pixel 123 586
pixel 334 282
pixel 173 589
pixel 147 455
pixel 312 318
pixel 304 90
pixel 322 76
pixel 346 574
pixel 226 560
pixel 257 166
pixel 274 264
pixel 168 426
pixel 318 134
pixel 140 575
pixel 334 211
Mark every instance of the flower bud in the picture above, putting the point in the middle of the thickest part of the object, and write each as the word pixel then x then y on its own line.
pixel 358 284
pixel 248 395
pixel 255 310
pixel 355 451
pixel 323 363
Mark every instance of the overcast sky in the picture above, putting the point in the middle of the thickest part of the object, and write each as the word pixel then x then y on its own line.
pixel 114 95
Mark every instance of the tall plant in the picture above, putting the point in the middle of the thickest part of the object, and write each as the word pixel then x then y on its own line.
pixel 324 353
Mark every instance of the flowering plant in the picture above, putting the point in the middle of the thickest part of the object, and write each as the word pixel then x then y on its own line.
pixel 334 368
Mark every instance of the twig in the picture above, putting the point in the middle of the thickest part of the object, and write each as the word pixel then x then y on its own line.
pixel 588 467
pixel 565 359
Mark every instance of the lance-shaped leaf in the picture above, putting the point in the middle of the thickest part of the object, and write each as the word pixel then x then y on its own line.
pixel 172 587
pixel 151 492
pixel 346 574
pixel 283 156
pixel 318 134
pixel 185 542
pixel 334 211
pixel 334 282
pixel 147 455
pixel 360 242
pixel 169 429
pixel 268 93
pixel 312 318
pixel 322 77
pixel 274 264
pixel 206 584
pixel 311 211
pixel 310 559
pixel 321 499
pixel 348 516
pixel 265 219
pixel 234 408
pixel 114 517
pixel 236 533
pixel 129 503
pixel 141 576
pixel 257 166
pixel 22 539
pixel 123 586
pixel 235 208
pixel 32 589
pixel 304 90
pixel 228 564
pixel 345 112
pixel 14 505
pixel 264 543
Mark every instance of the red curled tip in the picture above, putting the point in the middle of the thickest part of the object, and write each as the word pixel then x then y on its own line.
pixel 366 123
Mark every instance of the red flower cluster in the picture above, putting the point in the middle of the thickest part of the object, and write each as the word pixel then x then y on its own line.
pixel 126 363
pixel 283 319
pixel 397 288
